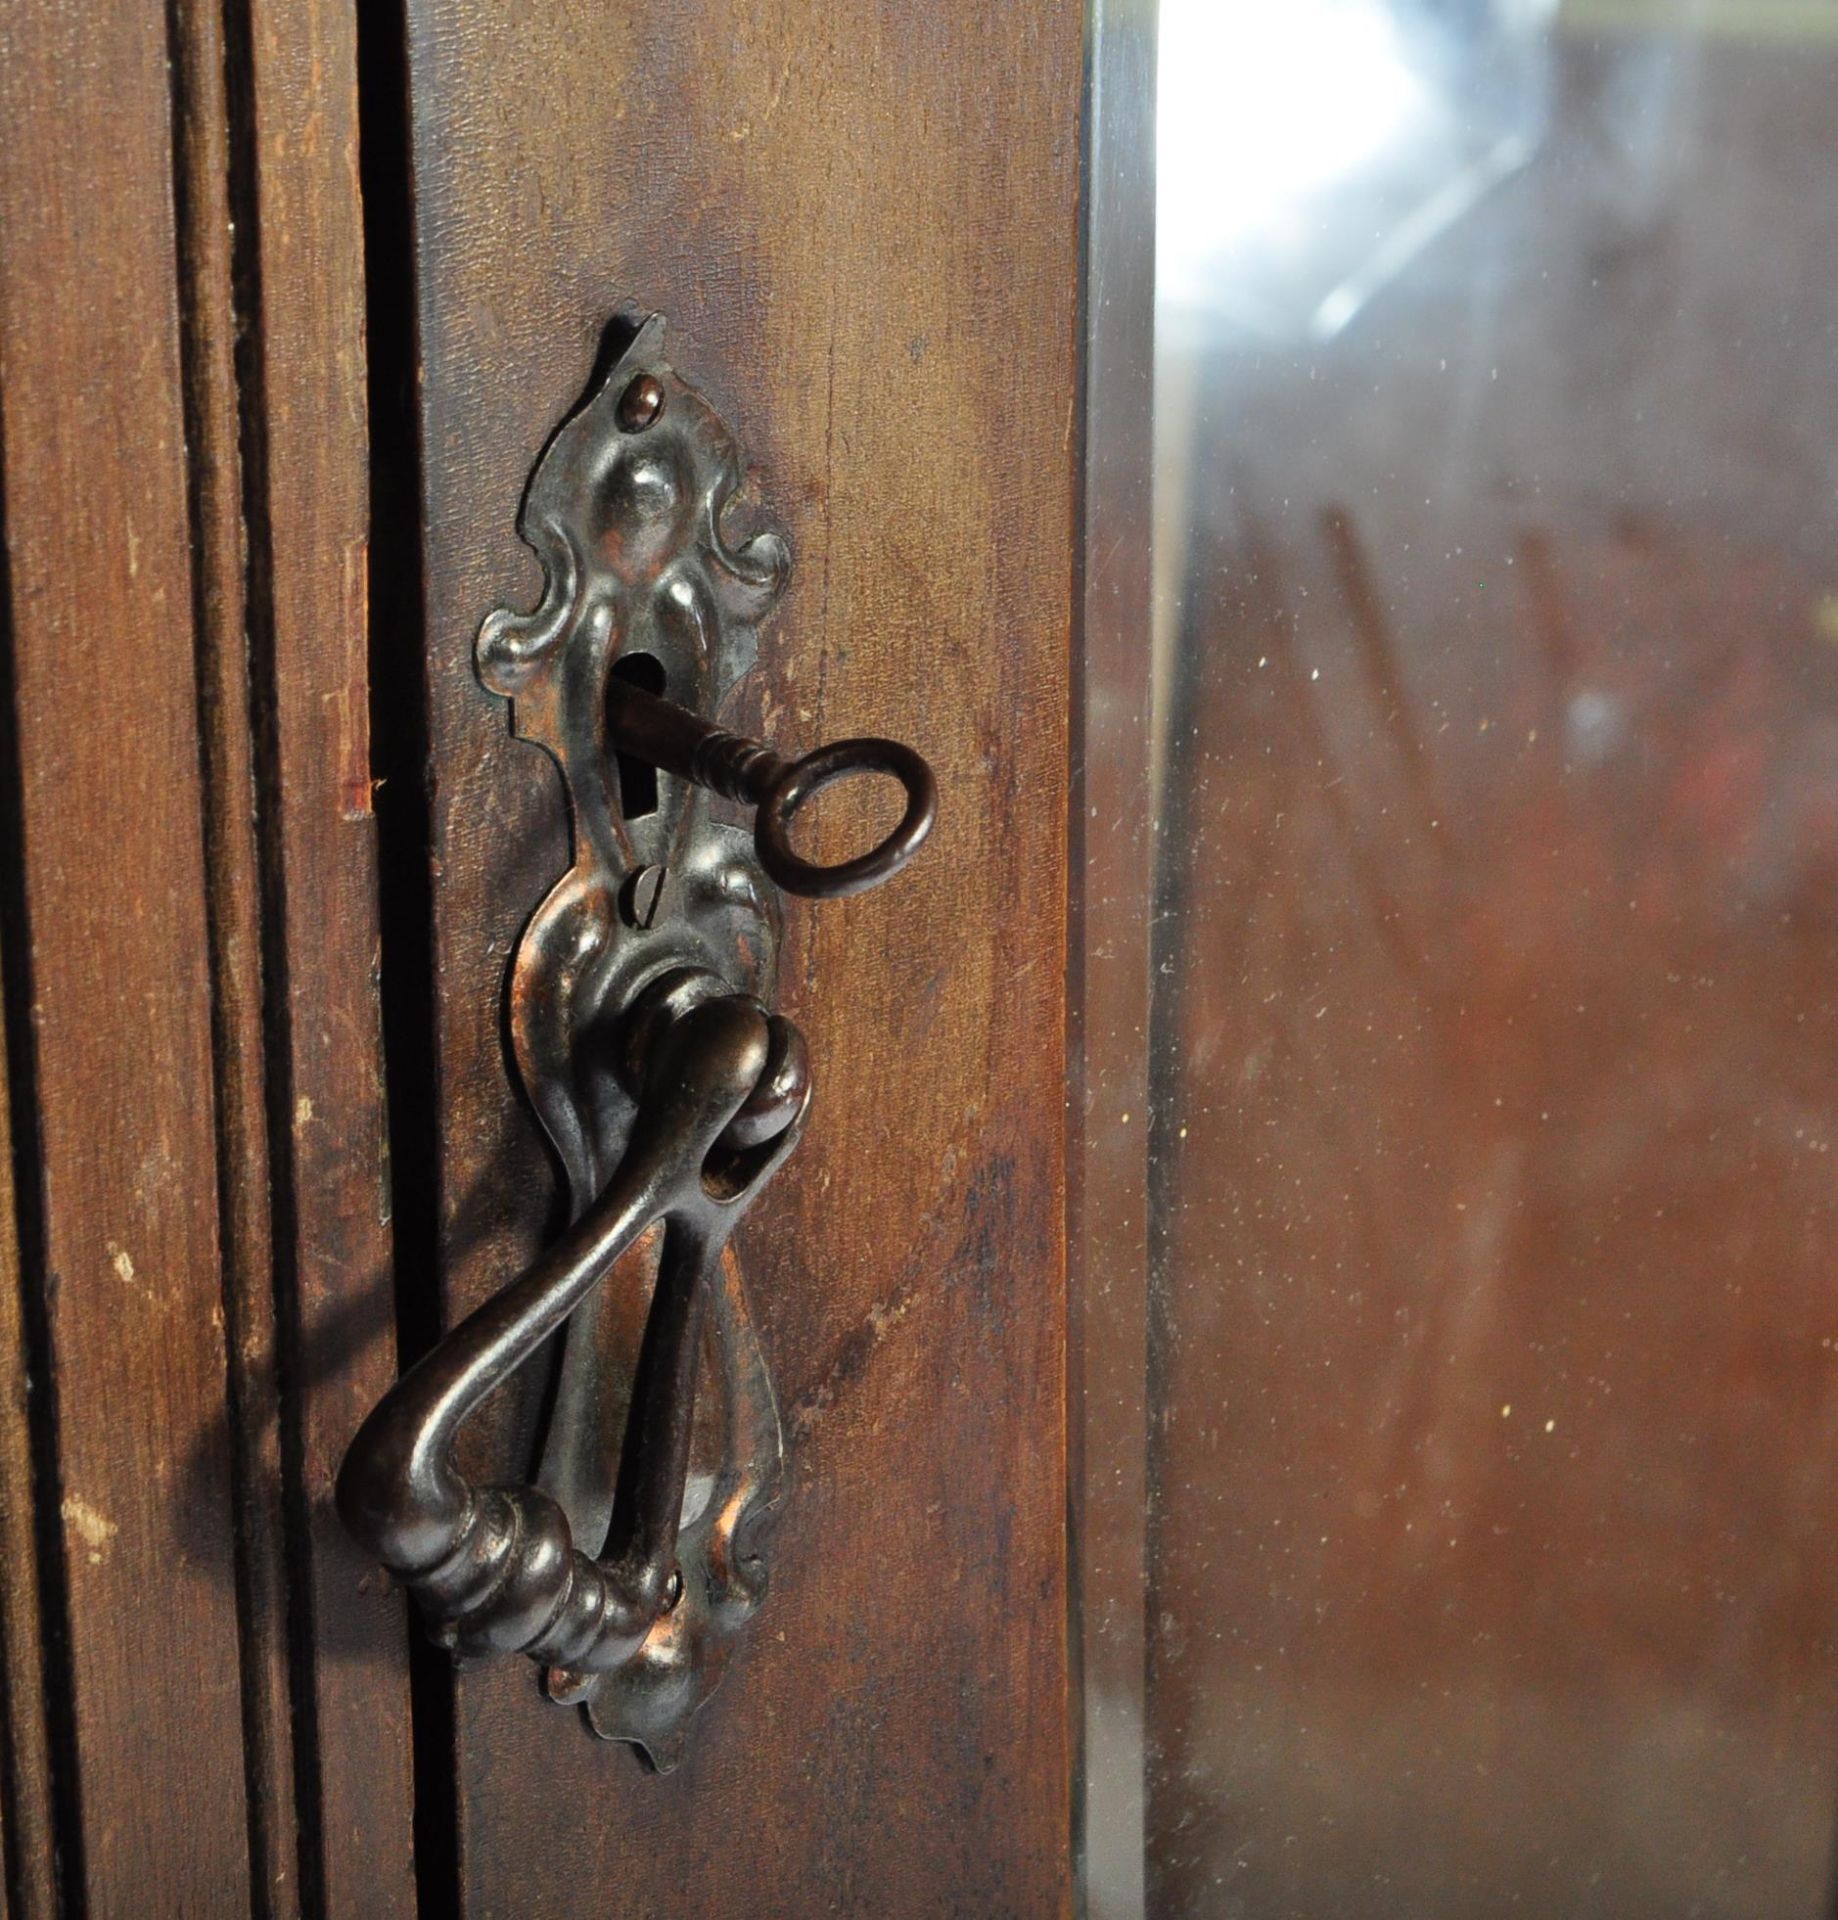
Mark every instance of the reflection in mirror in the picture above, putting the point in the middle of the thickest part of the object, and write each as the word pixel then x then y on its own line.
pixel 1493 1436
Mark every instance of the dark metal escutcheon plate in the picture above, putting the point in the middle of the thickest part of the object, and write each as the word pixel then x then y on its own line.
pixel 625 511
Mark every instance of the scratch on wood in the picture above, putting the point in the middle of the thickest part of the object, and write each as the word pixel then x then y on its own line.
pixel 852 1357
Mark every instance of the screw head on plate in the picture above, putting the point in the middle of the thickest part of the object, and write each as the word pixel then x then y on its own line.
pixel 642 897
pixel 641 403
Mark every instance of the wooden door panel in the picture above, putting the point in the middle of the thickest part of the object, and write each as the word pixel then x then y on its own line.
pixel 228 652
pixel 206 1704
pixel 861 226
pixel 120 994
pixel 310 527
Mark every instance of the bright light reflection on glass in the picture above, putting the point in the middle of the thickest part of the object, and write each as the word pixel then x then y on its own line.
pixel 1263 104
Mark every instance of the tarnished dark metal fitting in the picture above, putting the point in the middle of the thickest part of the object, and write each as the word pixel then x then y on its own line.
pixel 683 743
pixel 639 1015
pixel 641 402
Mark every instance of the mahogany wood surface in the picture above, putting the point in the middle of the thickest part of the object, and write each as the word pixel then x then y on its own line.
pixel 127 1259
pixel 199 1295
pixel 208 305
pixel 861 223
pixel 333 1271
pixel 226 900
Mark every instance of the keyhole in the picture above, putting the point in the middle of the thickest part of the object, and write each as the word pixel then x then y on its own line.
pixel 638 778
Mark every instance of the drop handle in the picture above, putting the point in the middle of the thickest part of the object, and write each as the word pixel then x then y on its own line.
pixel 672 738
pixel 496 1568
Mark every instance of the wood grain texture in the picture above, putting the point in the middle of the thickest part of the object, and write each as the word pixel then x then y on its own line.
pixel 98 545
pixel 333 1263
pixel 862 223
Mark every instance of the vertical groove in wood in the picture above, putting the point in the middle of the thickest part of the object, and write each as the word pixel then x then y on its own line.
pixel 111 800
pixel 203 162
pixel 39 1589
pixel 309 518
pixel 399 760
pixel 30 1884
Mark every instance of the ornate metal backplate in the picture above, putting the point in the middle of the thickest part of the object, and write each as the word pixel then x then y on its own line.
pixel 639 1024
pixel 625 511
